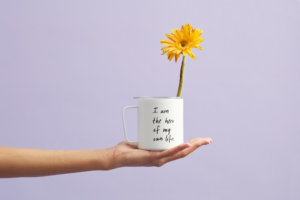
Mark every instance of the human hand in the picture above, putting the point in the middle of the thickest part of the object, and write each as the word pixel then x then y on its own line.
pixel 25 162
pixel 127 154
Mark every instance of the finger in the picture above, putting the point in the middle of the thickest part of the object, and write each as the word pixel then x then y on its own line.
pixel 196 139
pixel 171 151
pixel 194 146
pixel 185 152
pixel 177 149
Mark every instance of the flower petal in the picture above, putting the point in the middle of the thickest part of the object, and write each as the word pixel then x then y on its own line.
pixel 164 52
pixel 167 42
pixel 198 47
pixel 189 51
pixel 199 40
pixel 179 33
pixel 177 51
pixel 198 32
pixel 175 34
pixel 170 57
pixel 171 37
pixel 176 57
pixel 168 48
pixel 194 36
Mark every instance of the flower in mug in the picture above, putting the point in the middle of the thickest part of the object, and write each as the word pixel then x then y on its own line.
pixel 182 41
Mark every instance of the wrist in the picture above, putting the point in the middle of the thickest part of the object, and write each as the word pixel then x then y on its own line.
pixel 104 159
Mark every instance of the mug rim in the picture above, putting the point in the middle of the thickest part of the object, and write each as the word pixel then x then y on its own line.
pixel 145 97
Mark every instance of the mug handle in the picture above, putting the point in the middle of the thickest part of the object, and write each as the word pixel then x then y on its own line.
pixel 125 125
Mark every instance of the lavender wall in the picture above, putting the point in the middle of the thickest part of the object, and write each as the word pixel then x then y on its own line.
pixel 67 68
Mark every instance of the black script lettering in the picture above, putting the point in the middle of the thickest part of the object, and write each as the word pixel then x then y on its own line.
pixel 155 110
pixel 169 138
pixel 164 111
pixel 158 139
pixel 169 121
pixel 155 120
pixel 157 129
pixel 167 130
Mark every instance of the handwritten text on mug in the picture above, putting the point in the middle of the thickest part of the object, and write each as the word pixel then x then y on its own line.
pixel 158 121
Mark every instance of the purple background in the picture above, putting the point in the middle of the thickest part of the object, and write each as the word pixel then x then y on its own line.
pixel 67 69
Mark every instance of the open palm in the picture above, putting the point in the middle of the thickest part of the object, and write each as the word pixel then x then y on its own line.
pixel 127 154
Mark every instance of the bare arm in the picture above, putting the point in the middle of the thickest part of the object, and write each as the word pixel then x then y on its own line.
pixel 22 162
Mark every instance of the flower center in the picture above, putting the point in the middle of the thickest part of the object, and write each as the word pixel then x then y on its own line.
pixel 183 43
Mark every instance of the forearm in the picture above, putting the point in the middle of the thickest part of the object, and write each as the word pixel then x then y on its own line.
pixel 22 162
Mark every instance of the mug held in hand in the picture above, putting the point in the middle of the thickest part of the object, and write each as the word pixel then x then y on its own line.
pixel 160 122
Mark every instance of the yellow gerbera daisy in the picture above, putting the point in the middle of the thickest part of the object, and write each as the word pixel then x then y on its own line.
pixel 182 41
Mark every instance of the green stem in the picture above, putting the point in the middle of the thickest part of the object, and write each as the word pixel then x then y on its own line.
pixel 181 77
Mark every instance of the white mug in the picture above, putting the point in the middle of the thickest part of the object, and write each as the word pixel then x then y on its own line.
pixel 160 122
